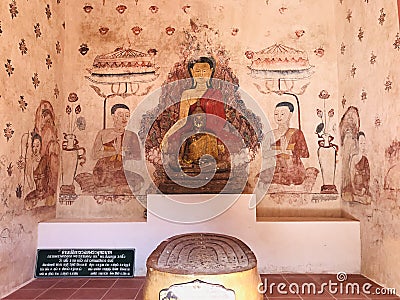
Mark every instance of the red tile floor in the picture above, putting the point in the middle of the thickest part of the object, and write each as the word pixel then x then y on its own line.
pixel 132 288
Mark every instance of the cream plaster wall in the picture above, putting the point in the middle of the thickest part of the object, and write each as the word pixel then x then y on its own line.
pixel 380 218
pixel 18 225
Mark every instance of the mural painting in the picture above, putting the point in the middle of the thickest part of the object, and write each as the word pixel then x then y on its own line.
pixel 200 118
pixel 356 170
pixel 392 176
pixel 42 159
pixel 108 181
pixel 287 146
pixel 285 71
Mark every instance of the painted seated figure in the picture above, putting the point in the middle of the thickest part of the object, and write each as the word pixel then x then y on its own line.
pixel 284 147
pixel 193 137
pixel 108 173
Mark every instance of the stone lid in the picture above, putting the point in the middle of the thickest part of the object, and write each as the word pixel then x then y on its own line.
pixel 202 254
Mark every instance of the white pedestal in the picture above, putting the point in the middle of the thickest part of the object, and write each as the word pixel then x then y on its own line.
pixel 280 245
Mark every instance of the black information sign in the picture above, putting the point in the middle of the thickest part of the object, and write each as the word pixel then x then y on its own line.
pixel 85 263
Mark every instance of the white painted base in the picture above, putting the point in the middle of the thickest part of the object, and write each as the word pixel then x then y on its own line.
pixel 280 245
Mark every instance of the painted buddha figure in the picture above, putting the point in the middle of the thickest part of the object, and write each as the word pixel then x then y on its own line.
pixel 207 102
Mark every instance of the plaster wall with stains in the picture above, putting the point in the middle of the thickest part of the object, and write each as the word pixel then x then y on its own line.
pixel 368 63
pixel 31 36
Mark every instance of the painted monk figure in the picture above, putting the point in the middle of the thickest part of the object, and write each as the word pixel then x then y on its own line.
pixel 285 146
pixel 108 173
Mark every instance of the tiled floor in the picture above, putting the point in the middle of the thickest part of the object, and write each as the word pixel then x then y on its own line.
pixel 132 288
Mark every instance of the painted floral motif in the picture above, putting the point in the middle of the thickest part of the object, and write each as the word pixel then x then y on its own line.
pixel 121 8
pixel 372 60
pixel 353 70
pixel 299 33
pixel 49 62
pixel 22 103
pixel 58 47
pixel 22 47
pixel 13 9
pixel 153 9
pixel 360 34
pixel 21 163
pixel 388 84
pixel 56 91
pixel 35 80
pixel 87 8
pixel 342 48
pixel 37 30
pixel 319 51
pixel 396 43
pixel 83 49
pixel 324 127
pixel 377 121
pixel 170 30
pixel 363 95
pixel 73 97
pixel 136 30
pixel 103 30
pixel 382 17
pixel 234 31
pixel 8 131
pixel 9 67
pixel 344 100
pixel 349 15
pixel 48 11
pixel 185 8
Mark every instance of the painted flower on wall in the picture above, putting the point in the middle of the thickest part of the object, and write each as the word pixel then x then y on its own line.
pixel 363 95
pixel 377 121
pixel 9 67
pixel 342 48
pixel 353 70
pixel 35 80
pixel 48 11
pixel 388 84
pixel 121 8
pixel 170 30
pixel 324 128
pixel 83 49
pixel 37 31
pixel 13 9
pixel 382 16
pixel 103 30
pixel 153 9
pixel 49 62
pixel 87 8
pixel 136 30
pixel 8 131
pixel 360 34
pixel 319 51
pixel 299 33
pixel 396 43
pixel 22 47
pixel 22 103
pixel 58 47
pixel 235 31
pixel 349 15
pixel 372 60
